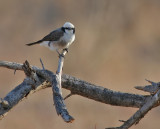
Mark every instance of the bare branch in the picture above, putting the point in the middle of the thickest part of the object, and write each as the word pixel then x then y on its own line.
pixel 79 87
pixel 86 89
pixel 152 89
pixel 57 91
pixel 142 111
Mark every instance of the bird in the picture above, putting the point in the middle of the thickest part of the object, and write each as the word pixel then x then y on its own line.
pixel 59 39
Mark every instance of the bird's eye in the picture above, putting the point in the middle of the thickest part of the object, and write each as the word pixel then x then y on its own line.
pixel 68 28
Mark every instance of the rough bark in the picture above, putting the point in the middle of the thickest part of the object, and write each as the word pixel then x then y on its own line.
pixel 77 87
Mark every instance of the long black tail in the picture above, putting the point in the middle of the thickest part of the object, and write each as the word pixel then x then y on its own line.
pixel 38 42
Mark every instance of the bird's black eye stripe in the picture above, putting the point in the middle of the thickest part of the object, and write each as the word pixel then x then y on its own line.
pixel 68 28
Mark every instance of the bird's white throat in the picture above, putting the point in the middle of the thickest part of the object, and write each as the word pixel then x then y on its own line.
pixel 68 36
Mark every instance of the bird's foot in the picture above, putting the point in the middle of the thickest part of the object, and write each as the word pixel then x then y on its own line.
pixel 65 49
pixel 61 55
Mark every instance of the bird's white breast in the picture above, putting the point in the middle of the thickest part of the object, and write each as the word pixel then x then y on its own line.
pixel 68 37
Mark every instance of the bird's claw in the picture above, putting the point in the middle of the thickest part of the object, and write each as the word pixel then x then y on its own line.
pixel 61 55
pixel 65 49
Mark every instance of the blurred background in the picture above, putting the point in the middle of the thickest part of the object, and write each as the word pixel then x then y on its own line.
pixel 117 46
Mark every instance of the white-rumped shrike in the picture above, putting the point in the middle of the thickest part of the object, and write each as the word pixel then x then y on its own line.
pixel 60 38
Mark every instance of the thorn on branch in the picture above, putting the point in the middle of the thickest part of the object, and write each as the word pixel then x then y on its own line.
pixel 69 95
pixel 153 83
pixel 15 71
pixel 122 120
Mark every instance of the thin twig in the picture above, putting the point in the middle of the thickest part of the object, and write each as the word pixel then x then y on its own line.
pixel 42 64
pixel 14 71
pixel 69 95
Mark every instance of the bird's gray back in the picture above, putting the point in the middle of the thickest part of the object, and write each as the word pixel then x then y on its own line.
pixel 54 35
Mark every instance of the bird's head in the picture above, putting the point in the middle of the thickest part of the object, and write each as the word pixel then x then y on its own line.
pixel 68 28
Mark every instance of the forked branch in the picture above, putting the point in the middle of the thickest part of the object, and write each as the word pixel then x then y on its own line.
pixel 77 87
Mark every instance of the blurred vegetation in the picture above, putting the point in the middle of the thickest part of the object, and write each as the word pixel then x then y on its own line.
pixel 117 46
